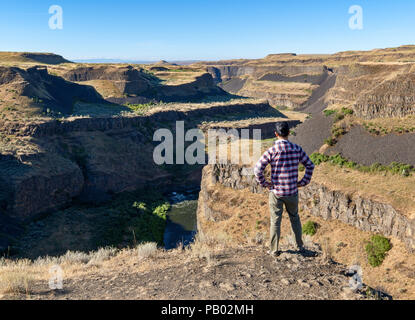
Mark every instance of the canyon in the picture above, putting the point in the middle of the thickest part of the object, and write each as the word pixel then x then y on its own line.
pixel 75 136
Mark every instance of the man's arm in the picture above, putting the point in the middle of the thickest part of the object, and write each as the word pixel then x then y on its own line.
pixel 309 169
pixel 259 169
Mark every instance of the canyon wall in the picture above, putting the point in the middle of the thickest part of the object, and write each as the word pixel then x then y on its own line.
pixel 91 158
pixel 373 89
pixel 363 213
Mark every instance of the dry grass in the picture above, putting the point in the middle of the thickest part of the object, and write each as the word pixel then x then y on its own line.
pixel 15 280
pixel 185 107
pixel 106 88
pixel 379 126
pixel 174 78
pixel 327 250
pixel 243 123
pixel 146 250
pixel 206 246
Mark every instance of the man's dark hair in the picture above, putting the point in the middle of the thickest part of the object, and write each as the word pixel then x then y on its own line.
pixel 282 128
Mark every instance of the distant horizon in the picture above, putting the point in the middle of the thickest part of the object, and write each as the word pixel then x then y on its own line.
pixel 186 30
pixel 236 58
pixel 186 61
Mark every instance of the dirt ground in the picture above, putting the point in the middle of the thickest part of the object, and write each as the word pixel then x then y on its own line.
pixel 217 273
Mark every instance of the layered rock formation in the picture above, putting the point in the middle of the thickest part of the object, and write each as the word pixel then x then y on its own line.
pixel 377 83
pixel 35 89
pixel 133 81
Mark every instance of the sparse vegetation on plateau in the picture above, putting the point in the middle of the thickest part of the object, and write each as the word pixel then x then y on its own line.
pixel 387 126
pixel 339 114
pixel 394 167
pixel 140 108
pixel 338 128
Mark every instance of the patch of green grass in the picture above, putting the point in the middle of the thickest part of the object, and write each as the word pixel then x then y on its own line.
pixel 310 228
pixel 328 113
pixel 347 111
pixel 376 250
pixel 338 131
pixel 140 108
pixel 318 158
pixel 339 115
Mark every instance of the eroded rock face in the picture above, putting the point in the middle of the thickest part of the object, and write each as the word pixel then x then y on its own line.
pixel 37 183
pixel 134 81
pixel 376 91
pixel 43 88
pixel 362 213
pixel 128 80
pixel 365 214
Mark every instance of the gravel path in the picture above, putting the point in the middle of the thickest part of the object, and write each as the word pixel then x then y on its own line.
pixel 316 103
pixel 311 134
pixel 364 148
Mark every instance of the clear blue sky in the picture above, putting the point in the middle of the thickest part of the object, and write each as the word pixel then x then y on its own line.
pixel 196 29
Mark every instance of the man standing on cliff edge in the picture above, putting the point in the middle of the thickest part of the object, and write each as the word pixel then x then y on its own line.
pixel 284 157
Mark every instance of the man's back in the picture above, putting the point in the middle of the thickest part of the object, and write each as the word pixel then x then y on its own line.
pixel 284 157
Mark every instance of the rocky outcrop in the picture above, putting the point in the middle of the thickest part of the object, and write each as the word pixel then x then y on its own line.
pixel 38 184
pixel 202 86
pixel 392 98
pixel 169 113
pixel 32 57
pixel 131 81
pixel 128 80
pixel 267 127
pixel 363 213
pixel 44 90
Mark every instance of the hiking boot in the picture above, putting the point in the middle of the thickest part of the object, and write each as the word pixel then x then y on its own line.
pixel 274 253
pixel 302 250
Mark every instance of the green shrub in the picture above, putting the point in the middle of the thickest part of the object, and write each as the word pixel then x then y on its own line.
pixel 347 111
pixel 338 131
pixel 310 228
pixel 140 205
pixel 339 117
pixel 330 141
pixel 376 250
pixel 394 168
pixel 328 113
pixel 318 158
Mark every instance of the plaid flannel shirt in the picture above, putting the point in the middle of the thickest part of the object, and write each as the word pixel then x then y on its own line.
pixel 284 157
